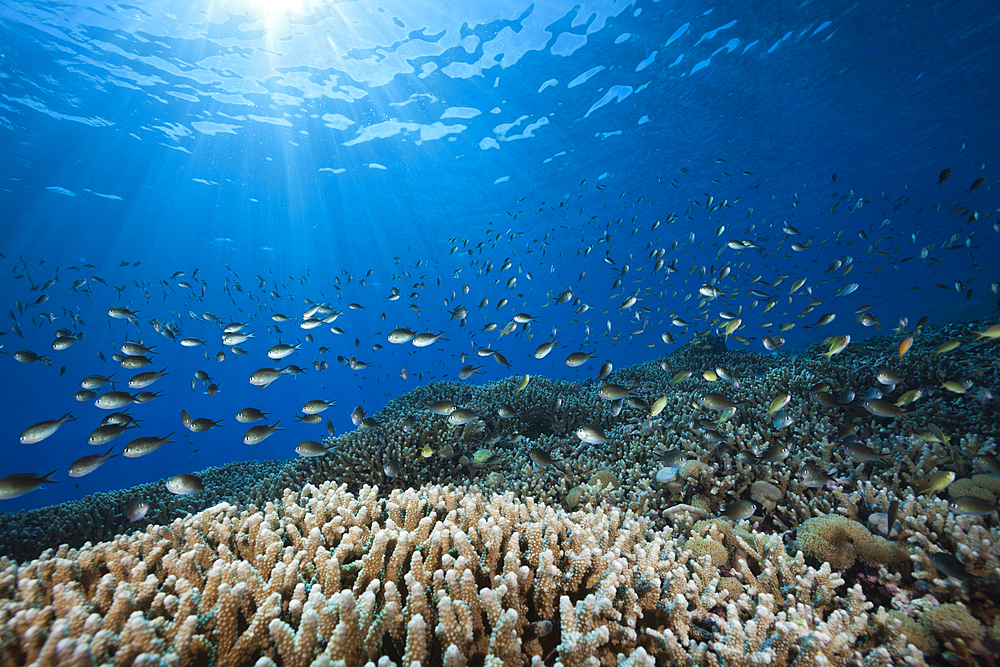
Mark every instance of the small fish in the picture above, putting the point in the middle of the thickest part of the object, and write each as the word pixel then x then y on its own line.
pixel 891 514
pixel 939 481
pixel 837 345
pixel 578 359
pixel 882 408
pixel 257 434
pixel 185 484
pixel 741 509
pixel 523 384
pixel 909 397
pixel 860 452
pixel 330 430
pixel 674 458
pixel 680 376
pixel 714 401
pixel 947 347
pixel 658 406
pixel 317 406
pixel 443 408
pixel 18 484
pixel 612 392
pixel 813 477
pixel 591 434
pixel 976 184
pixel 943 176
pixel 146 445
pixel 88 464
pixel 250 415
pixel 779 402
pixel 461 416
pixel 782 419
pixel 972 506
pixel 905 345
pixel 544 349
pixel 281 350
pixel 41 430
pixel 136 509
pixel 391 468
pixel 309 448
pixel 991 332
pixel 774 453
pixel 541 458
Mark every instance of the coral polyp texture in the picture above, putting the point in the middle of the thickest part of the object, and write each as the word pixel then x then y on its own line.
pixel 712 528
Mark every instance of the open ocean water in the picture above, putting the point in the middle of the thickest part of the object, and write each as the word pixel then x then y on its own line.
pixel 628 176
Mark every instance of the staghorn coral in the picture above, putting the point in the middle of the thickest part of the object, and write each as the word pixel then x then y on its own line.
pixel 441 574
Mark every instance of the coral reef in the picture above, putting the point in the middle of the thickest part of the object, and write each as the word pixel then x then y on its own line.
pixel 621 551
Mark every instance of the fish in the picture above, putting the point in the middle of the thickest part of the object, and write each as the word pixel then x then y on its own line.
pixel 943 176
pixel 578 358
pixel 976 184
pixel 18 484
pixel 425 339
pixel 680 376
pixel 42 430
pixel 310 448
pixel 468 371
pixel 88 464
pixel 185 484
pixel 542 350
pixel 591 434
pixel 262 377
pixel 778 403
pixel 861 452
pixel 523 384
pixel 401 335
pixel 715 401
pixel 317 406
pixel 107 433
pixel 836 345
pixel 612 392
pixel 774 453
pixel 143 380
pixel 145 445
pixel 112 400
pixel 282 350
pixel 674 458
pixel 461 416
pixel 992 332
pixel 972 506
pixel 813 477
pixel 939 481
pixel 947 347
pixel 257 434
pixel 136 509
pixel 250 415
pixel 541 458
pixel 741 509
pixel 905 345
pixel 658 406
pixel 882 408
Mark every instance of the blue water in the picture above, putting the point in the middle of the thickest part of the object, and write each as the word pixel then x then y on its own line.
pixel 310 143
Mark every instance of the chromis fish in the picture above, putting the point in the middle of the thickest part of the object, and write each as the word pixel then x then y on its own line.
pixel 591 434
pixel 310 448
pixel 88 464
pixel 136 509
pixel 882 408
pixel 715 401
pixel 972 506
pixel 41 430
pixel 18 484
pixel 185 484
pixel 741 509
pixel 541 458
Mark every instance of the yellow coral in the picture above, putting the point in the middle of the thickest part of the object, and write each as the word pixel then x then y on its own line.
pixel 839 541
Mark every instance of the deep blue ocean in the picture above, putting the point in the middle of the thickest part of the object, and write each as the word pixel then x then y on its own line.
pixel 233 160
